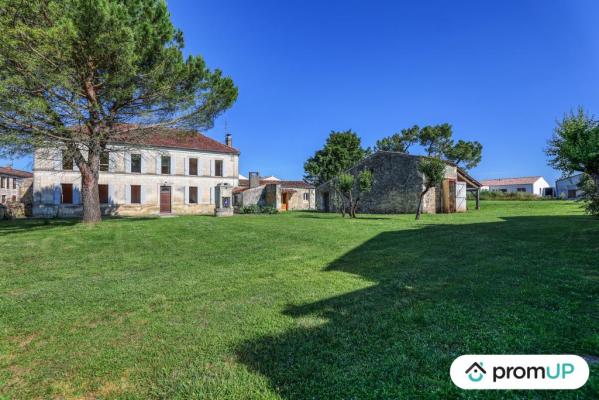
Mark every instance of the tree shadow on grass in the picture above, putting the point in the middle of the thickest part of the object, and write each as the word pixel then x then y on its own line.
pixel 525 285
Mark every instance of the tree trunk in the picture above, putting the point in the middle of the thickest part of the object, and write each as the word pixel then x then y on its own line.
pixel 419 210
pixel 89 189
pixel 355 207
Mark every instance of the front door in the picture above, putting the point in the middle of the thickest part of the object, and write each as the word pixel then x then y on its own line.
pixel 165 199
pixel 285 201
pixel 325 201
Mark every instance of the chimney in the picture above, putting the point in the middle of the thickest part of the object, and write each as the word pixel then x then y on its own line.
pixel 229 140
pixel 254 178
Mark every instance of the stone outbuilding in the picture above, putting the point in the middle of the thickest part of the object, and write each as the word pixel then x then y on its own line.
pixel 274 192
pixel 397 185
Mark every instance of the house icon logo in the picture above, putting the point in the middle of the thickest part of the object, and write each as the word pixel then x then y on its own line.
pixel 476 372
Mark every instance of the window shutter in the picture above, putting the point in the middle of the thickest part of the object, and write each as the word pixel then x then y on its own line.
pixel 127 162
pixel 158 162
pixel 142 194
pixel 127 194
pixel 142 163
pixel 211 195
pixel 186 194
pixel 111 199
pixel 186 166
pixel 211 170
pixel 57 194
pixel 112 161
pixel 172 165
pixel 76 195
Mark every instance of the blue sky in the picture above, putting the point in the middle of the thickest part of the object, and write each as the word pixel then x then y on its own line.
pixel 501 72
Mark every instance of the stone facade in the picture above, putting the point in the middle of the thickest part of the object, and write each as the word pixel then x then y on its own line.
pixel 136 193
pixel 397 185
pixel 15 186
pixel 279 194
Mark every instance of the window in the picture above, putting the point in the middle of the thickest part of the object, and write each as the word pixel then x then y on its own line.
pixel 571 193
pixel 67 193
pixel 136 163
pixel 104 161
pixel 135 194
pixel 14 183
pixel 193 195
pixel 103 189
pixel 67 162
pixel 2 181
pixel 165 165
pixel 503 190
pixel 521 189
pixel 306 196
pixel 3 198
pixel 193 166
pixel 218 167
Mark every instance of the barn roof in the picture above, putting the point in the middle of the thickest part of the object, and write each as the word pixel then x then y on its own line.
pixel 526 180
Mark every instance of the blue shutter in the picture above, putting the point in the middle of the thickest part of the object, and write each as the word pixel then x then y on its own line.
pixel 127 194
pixel 111 199
pixel 57 194
pixel 76 195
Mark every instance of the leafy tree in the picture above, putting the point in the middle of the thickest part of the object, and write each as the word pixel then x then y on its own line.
pixel 79 74
pixel 464 153
pixel 341 151
pixel 433 170
pixel 400 142
pixel 575 148
pixel 351 189
pixel 436 139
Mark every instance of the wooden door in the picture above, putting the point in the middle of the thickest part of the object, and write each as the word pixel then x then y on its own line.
pixel 285 201
pixel 165 199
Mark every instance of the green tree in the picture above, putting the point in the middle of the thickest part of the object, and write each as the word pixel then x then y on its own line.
pixel 345 185
pixel 433 171
pixel 79 74
pixel 341 151
pixel 351 190
pixel 436 139
pixel 575 148
pixel 400 142
pixel 464 153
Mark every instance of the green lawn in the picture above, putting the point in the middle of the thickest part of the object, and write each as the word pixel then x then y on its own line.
pixel 298 305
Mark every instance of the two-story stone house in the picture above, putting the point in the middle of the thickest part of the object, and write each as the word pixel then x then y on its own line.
pixel 14 185
pixel 172 172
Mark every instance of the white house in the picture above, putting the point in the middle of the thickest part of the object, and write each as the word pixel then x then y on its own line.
pixel 567 188
pixel 536 185
pixel 172 172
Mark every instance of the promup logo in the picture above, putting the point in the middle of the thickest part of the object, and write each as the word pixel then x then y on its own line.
pixel 519 372
pixel 476 372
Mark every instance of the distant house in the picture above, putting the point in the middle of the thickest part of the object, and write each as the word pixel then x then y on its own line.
pixel 274 192
pixel 536 185
pixel 568 188
pixel 397 185
pixel 15 186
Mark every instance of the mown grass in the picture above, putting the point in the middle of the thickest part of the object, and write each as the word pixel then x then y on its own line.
pixel 296 305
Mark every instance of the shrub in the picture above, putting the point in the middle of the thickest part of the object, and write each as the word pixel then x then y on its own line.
pixel 256 209
pixel 488 195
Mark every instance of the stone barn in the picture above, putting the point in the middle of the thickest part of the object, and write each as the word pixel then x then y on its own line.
pixel 397 185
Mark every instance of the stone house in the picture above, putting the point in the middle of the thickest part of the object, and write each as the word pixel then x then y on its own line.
pixel 172 172
pixel 274 192
pixel 15 185
pixel 397 185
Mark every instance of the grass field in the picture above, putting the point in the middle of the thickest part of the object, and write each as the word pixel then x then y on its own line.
pixel 294 306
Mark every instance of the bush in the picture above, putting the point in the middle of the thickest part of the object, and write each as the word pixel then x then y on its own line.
pixel 488 195
pixel 256 209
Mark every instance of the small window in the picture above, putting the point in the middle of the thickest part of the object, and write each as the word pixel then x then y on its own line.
pixel 2 182
pixel 67 193
pixel 136 163
pixel 103 190
pixel 165 166
pixel 572 193
pixel 193 166
pixel 104 161
pixel 135 194
pixel 218 167
pixel 3 198
pixel 306 196
pixel 14 183
pixel 521 189
pixel 67 162
pixel 193 195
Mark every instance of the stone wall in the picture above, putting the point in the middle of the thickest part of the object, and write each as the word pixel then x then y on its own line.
pixel 396 187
